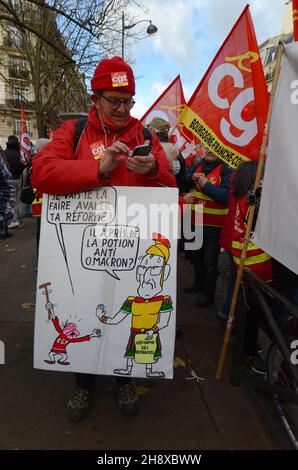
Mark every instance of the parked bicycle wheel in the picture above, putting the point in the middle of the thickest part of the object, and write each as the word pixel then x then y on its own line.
pixel 285 393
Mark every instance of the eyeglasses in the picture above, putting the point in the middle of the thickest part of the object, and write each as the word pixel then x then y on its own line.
pixel 115 103
pixel 153 270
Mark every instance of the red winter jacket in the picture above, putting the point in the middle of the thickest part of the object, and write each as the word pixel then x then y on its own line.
pixel 57 171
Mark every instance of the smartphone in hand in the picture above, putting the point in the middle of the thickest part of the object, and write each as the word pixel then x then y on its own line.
pixel 141 150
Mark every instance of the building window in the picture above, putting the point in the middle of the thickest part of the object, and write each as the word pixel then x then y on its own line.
pixel 18 68
pixel 14 38
pixel 272 55
pixel 17 126
pixel 20 94
pixel 16 4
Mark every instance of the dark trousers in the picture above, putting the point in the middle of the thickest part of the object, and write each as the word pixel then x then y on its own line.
pixel 88 380
pixel 204 262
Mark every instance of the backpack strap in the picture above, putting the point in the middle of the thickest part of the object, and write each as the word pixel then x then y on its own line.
pixel 79 127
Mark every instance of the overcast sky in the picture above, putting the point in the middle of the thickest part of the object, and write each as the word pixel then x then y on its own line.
pixel 189 34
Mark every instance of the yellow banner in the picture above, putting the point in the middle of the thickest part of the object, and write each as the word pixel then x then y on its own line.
pixel 200 129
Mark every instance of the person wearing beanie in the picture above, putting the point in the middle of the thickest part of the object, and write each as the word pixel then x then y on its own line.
pixel 160 127
pixel 100 157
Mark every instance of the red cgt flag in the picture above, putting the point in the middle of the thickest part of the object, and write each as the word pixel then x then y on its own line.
pixel 295 19
pixel 228 109
pixel 169 106
pixel 25 142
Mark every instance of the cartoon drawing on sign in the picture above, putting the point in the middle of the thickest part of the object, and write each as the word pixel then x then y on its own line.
pixel 150 312
pixel 68 333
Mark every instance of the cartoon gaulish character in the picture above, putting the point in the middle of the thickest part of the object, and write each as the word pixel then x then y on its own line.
pixel 150 312
pixel 68 333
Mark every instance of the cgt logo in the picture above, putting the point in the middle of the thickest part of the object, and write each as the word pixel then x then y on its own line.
pixel 294 355
pixel 2 353
pixel 98 150
pixel 249 129
pixel 119 79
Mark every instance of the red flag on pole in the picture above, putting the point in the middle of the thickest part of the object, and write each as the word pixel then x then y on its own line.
pixel 228 109
pixel 295 19
pixel 25 142
pixel 169 106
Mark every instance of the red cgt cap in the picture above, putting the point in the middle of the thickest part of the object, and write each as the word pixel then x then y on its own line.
pixel 113 74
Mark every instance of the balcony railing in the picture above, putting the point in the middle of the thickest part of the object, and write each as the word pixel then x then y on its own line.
pixel 16 104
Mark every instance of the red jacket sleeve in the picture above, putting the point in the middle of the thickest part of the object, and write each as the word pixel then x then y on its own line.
pixel 54 170
pixel 164 174
pixel 57 325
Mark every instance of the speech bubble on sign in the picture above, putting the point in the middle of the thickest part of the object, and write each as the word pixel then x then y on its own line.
pixel 96 206
pixel 110 248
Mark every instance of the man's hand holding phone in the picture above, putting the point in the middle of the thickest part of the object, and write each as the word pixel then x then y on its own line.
pixel 142 161
pixel 114 155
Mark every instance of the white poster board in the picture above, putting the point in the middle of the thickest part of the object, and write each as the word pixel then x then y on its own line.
pixel 106 286
pixel 277 224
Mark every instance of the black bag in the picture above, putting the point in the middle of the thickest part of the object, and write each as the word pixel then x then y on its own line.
pixel 27 194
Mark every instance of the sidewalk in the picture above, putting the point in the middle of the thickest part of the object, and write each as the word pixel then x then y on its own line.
pixel 178 414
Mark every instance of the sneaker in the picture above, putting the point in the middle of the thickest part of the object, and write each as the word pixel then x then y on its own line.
pixel 257 364
pixel 128 399
pixel 13 224
pixel 79 404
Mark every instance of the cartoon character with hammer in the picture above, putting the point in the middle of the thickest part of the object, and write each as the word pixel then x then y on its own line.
pixel 68 333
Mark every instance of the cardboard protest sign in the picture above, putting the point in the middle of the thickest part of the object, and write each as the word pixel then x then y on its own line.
pixel 106 297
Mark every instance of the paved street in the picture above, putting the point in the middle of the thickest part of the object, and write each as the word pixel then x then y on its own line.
pixel 178 414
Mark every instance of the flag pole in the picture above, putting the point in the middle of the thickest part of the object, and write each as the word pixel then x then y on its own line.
pixel 246 240
pixel 295 19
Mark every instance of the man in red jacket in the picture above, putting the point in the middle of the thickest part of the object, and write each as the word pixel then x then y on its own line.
pixel 102 157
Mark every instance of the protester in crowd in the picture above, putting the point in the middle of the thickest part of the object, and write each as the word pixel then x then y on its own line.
pixel 225 241
pixel 210 185
pixel 7 198
pixel 37 203
pixel 161 128
pixel 63 167
pixel 195 158
pixel 256 260
pixel 12 155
